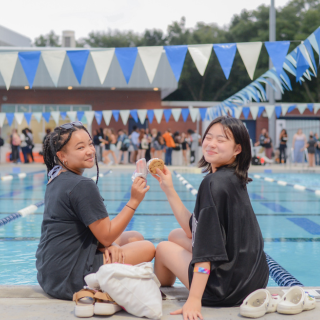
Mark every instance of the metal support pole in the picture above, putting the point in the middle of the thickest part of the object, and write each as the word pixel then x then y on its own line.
pixel 272 37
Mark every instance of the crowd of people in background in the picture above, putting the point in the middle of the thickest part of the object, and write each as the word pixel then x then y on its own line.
pixel 303 148
pixel 23 142
pixel 143 143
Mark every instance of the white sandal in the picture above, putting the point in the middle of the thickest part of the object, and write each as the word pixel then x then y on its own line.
pixel 105 305
pixel 84 300
pixel 295 301
pixel 258 303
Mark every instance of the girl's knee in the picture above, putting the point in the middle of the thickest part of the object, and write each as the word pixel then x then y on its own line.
pixel 134 236
pixel 162 248
pixel 149 249
pixel 175 234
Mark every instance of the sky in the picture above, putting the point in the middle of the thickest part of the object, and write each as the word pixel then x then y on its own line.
pixel 35 17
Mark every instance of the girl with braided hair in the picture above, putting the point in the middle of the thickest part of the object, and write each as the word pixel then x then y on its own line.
pixel 77 236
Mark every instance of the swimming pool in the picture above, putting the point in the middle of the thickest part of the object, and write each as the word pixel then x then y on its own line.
pixel 289 220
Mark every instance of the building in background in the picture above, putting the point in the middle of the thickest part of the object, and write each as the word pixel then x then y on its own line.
pixel 9 38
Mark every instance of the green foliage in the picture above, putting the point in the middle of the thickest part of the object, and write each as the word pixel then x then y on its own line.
pixel 295 21
pixel 48 40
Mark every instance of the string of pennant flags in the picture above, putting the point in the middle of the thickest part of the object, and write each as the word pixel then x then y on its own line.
pixel 141 115
pixel 300 63
pixel 150 57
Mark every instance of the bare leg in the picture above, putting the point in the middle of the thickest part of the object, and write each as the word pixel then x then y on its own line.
pixel 125 157
pixel 105 156
pixel 128 237
pixel 179 237
pixel 172 261
pixel 120 156
pixel 114 157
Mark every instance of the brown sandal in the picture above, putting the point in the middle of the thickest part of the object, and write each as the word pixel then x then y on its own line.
pixel 84 300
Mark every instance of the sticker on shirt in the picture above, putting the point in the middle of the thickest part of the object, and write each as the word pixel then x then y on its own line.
pixel 194 228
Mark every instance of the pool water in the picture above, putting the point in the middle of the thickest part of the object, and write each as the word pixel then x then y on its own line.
pixel 289 220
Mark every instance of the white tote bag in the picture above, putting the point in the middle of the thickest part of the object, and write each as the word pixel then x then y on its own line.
pixel 135 288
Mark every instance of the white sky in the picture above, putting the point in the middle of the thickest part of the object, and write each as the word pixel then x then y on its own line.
pixel 35 17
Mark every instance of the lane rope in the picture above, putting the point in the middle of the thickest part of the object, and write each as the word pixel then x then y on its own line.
pixel 186 183
pixel 33 208
pixel 21 175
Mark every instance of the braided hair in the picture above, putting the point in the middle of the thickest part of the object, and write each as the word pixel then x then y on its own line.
pixel 55 141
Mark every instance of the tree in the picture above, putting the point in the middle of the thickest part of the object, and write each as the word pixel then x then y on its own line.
pixel 48 40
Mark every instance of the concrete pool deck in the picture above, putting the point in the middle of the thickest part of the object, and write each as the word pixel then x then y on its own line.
pixel 30 303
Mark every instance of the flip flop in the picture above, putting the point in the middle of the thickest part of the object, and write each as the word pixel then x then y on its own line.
pixel 105 305
pixel 84 300
pixel 258 303
pixel 295 301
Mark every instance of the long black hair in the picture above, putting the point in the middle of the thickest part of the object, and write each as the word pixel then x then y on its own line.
pixel 55 141
pixel 241 136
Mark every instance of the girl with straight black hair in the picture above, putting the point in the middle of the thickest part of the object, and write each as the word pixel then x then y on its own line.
pixel 77 236
pixel 218 254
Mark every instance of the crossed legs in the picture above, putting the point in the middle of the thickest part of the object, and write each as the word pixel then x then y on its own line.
pixel 173 258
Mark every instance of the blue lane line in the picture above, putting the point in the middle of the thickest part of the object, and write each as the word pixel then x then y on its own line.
pixel 275 207
pixel 17 215
pixel 255 196
pixel 306 224
pixel 14 193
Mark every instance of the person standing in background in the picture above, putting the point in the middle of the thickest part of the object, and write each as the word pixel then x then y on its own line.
pixel 143 144
pixel 123 145
pixel 97 142
pixel 135 143
pixel 268 145
pixel 169 145
pixel 24 146
pixel 154 143
pixel 30 143
pixel 283 146
pixel 148 151
pixel 317 154
pixel 15 142
pixel 311 147
pixel 298 144
pixel 184 145
pixel 195 139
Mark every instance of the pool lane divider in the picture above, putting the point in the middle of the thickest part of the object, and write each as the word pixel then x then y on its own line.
pixel 33 208
pixel 280 275
pixel 186 183
pixel 21 175
pixel 284 183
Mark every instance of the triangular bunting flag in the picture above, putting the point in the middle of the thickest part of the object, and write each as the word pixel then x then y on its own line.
pixel 54 61
pixel 310 107
pixel 19 117
pixel 142 114
pixel 249 52
pixel 314 43
pixel 63 115
pixel 203 113
pixel 167 114
pixel 302 65
pixel 246 112
pixel 80 115
pixel 301 107
pixel 134 115
pixel 28 116
pixel 185 114
pixel 260 112
pixel 150 114
pixel 10 117
pixel 194 112
pixel 158 114
pixel 277 51
pixel 278 111
pixel 291 108
pixel 310 56
pixel 107 114
pixel 78 60
pixel 284 107
pixel 126 58
pixel 316 107
pixel 89 116
pixel 225 53
pixel 254 112
pixel 8 63
pixel 30 61
pixel 200 54
pixel 116 114
pixel 317 37
pixel 2 117
pixel 102 61
pixel 150 57
pixel 56 116
pixel 176 56
pixel 237 112
pixel 46 116
pixel 124 116
pixel 98 116
pixel 72 115
pixel 38 116
pixel 176 112
pixel 269 110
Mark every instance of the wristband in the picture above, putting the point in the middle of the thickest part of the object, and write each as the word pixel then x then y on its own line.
pixel 130 207
pixel 201 270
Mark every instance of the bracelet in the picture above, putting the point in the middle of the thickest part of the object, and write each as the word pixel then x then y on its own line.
pixel 201 270
pixel 131 208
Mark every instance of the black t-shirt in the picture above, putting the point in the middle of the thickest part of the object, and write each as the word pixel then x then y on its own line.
pixel 67 251
pixel 225 232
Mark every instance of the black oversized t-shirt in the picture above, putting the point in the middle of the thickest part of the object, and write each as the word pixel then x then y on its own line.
pixel 68 249
pixel 225 232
